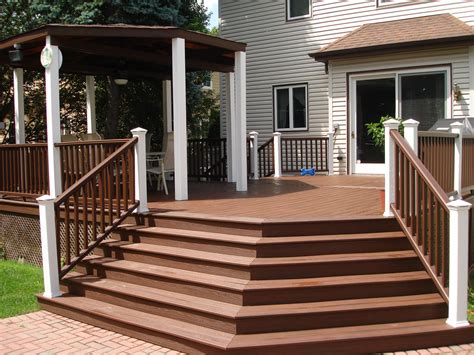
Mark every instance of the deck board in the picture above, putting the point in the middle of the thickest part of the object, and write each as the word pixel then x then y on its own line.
pixel 283 198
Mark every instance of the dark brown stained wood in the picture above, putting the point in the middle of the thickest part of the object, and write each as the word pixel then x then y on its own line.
pixel 19 207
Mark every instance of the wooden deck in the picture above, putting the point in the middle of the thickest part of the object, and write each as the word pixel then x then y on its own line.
pixel 288 198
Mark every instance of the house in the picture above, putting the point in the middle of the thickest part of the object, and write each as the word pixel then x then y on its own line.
pixel 320 66
pixel 288 265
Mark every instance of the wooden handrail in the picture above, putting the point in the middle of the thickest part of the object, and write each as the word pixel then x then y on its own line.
pixel 95 205
pixel 437 134
pixel 94 142
pixel 420 167
pixel 28 145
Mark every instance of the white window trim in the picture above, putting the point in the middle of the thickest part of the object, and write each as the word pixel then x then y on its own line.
pixel 275 107
pixel 309 15
pixel 379 3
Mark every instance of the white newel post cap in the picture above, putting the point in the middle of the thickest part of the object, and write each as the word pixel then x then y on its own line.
pixel 410 123
pixel 253 133
pixel 391 123
pixel 459 205
pixel 276 133
pixel 45 199
pixel 139 131
pixel 456 127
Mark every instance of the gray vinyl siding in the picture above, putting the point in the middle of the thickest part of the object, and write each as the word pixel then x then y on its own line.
pixel 277 54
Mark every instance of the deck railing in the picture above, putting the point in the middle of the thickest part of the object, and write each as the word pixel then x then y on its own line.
pixel 266 158
pixel 24 170
pixel 89 210
pixel 304 152
pixel 207 158
pixel 421 207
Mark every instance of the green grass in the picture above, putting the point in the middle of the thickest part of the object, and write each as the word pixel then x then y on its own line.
pixel 18 285
pixel 471 297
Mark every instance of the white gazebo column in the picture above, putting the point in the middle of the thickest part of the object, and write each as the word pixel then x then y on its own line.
pixel 240 121
pixel 91 115
pixel 53 121
pixel 179 119
pixel 230 127
pixel 167 108
pixel 19 99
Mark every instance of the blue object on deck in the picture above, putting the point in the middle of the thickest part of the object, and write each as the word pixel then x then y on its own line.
pixel 311 171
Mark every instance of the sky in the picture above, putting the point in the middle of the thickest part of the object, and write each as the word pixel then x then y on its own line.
pixel 212 6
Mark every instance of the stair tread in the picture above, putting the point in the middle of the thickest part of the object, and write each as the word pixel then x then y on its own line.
pixel 144 320
pixel 155 295
pixel 252 261
pixel 242 341
pixel 232 238
pixel 341 305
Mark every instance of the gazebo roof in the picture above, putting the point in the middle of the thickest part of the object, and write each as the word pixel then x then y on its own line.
pixel 142 51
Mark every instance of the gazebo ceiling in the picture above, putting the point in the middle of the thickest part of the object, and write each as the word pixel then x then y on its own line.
pixel 140 51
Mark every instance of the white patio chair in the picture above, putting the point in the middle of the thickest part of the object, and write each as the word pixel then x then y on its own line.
pixel 164 163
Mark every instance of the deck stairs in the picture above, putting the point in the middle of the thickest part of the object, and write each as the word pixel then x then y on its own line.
pixel 246 286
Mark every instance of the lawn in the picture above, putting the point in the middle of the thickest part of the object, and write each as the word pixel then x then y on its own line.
pixel 471 297
pixel 18 285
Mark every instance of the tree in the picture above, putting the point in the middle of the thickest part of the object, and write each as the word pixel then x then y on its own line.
pixel 139 100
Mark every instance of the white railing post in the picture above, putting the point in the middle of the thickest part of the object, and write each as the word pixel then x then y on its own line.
pixel 410 128
pixel 19 103
pixel 91 111
pixel 254 155
pixel 458 262
pixel 49 249
pixel 457 128
pixel 140 170
pixel 240 136
pixel 389 125
pixel 330 153
pixel 277 153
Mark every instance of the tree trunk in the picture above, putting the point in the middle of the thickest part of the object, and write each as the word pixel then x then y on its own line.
pixel 113 100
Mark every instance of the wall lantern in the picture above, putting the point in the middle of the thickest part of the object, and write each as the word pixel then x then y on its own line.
pixel 15 55
pixel 457 94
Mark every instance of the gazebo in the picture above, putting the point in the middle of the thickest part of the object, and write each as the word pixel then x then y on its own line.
pixel 161 53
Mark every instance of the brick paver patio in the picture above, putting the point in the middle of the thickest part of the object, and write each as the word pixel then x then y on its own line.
pixel 47 333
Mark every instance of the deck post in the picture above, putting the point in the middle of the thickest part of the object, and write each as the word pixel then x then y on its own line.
pixel 410 128
pixel 91 112
pixel 49 249
pixel 230 127
pixel 458 262
pixel 179 120
pixel 19 99
pixel 53 121
pixel 389 125
pixel 241 121
pixel 167 107
pixel 277 154
pixel 140 170
pixel 457 128
pixel 330 153
pixel 254 155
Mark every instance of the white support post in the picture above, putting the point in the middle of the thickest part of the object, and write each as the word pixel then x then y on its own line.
pixel 410 128
pixel 141 193
pixel 91 112
pixel 19 99
pixel 458 263
pixel 389 125
pixel 254 155
pixel 277 154
pixel 53 120
pixel 49 249
pixel 330 153
pixel 471 81
pixel 230 127
pixel 179 119
pixel 167 107
pixel 240 135
pixel 457 128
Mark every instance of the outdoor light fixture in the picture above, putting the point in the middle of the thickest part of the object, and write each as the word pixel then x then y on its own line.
pixel 121 76
pixel 457 92
pixel 121 82
pixel 15 55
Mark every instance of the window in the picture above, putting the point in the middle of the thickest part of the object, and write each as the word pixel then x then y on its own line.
pixel 291 109
pixel 297 9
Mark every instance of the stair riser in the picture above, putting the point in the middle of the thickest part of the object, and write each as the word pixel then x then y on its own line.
pixel 188 243
pixel 157 308
pixel 270 228
pixel 337 292
pixel 341 318
pixel 336 268
pixel 173 285
pixel 333 247
pixel 178 262
pixel 159 338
